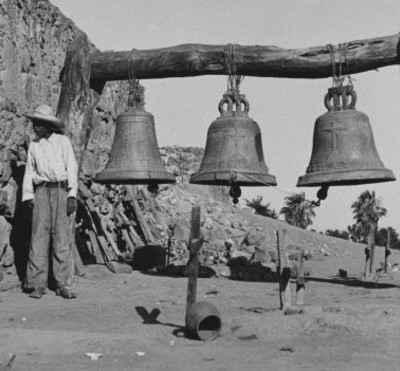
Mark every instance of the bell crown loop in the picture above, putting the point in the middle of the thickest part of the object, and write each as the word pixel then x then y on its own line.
pixel 339 95
pixel 136 96
pixel 237 105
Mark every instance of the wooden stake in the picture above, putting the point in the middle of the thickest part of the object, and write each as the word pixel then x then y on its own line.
pixel 79 268
pixel 195 244
pixel 371 243
pixel 387 248
pixel 142 222
pixel 284 270
pixel 300 282
pixel 279 268
pixel 95 247
pixel 137 241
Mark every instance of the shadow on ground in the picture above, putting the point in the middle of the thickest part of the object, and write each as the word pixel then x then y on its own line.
pixel 150 318
pixel 180 271
pixel 356 282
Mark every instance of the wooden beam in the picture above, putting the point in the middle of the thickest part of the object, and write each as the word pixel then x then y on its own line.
pixel 263 61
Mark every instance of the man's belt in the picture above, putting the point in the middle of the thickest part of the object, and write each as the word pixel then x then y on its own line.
pixel 62 184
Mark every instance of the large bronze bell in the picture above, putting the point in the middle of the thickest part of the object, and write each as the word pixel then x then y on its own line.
pixel 344 151
pixel 233 155
pixel 134 157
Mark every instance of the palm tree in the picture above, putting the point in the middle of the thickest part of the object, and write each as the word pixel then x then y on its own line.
pixel 260 208
pixel 367 210
pixel 298 211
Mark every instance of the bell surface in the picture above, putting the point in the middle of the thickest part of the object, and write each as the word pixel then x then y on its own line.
pixel 134 157
pixel 344 152
pixel 233 150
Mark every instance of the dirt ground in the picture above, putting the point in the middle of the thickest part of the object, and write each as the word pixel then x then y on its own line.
pixel 346 325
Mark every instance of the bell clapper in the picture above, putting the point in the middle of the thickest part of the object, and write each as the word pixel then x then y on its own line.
pixel 234 191
pixel 153 188
pixel 322 194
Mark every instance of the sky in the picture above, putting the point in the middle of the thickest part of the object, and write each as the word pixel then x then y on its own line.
pixel 285 109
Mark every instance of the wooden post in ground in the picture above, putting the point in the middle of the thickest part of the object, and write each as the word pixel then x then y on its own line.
pixel 195 243
pixel 279 268
pixel 387 248
pixel 368 255
pixel 371 243
pixel 283 270
pixel 300 281
pixel 75 107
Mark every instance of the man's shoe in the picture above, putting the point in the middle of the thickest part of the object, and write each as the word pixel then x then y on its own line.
pixel 37 292
pixel 65 292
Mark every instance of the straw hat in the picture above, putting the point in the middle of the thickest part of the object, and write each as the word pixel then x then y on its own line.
pixel 45 113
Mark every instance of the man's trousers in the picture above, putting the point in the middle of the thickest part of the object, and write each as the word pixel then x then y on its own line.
pixel 50 223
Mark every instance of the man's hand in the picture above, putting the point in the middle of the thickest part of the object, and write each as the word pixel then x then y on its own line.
pixel 71 205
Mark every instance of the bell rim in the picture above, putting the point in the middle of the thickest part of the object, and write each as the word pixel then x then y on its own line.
pixel 134 177
pixel 348 177
pixel 224 178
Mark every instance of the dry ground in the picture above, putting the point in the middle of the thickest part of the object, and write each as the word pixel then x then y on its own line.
pixel 347 325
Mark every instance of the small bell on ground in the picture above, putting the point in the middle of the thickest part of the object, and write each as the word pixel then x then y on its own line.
pixel 134 157
pixel 233 155
pixel 344 151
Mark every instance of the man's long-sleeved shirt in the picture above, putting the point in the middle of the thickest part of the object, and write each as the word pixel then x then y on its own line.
pixel 50 160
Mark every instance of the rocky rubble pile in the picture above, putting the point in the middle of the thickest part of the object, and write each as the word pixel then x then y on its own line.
pixel 167 215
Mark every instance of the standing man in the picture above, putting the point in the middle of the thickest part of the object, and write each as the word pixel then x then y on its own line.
pixel 50 186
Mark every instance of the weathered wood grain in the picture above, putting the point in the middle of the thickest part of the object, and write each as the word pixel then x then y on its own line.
pixel 77 100
pixel 263 61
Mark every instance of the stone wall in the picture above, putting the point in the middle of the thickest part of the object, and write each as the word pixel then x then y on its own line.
pixel 34 36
